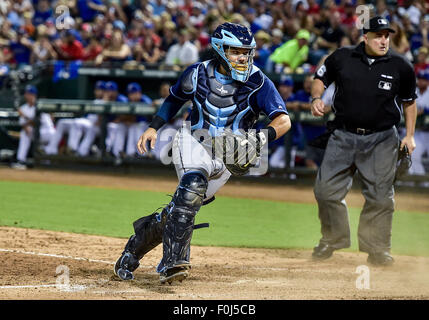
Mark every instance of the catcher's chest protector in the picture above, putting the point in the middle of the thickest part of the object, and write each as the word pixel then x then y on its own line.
pixel 218 106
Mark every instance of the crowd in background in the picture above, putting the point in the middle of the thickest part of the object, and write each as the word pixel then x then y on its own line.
pixel 177 33
pixel 292 37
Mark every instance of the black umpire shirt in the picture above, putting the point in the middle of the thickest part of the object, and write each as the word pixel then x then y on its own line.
pixel 368 95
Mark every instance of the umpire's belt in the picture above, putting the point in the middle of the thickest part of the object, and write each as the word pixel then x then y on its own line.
pixel 363 131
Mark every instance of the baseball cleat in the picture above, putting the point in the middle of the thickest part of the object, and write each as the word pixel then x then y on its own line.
pixel 125 266
pixel 177 273
pixel 380 259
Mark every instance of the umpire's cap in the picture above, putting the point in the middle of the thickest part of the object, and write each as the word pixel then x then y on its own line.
pixel 378 23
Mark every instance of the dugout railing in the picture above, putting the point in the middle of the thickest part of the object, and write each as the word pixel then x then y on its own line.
pixel 76 108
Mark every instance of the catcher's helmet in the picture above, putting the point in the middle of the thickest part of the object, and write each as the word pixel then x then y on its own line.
pixel 231 35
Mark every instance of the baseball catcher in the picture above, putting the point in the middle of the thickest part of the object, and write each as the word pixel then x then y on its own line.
pixel 218 140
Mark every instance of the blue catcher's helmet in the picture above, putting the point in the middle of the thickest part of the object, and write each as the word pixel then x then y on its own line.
pixel 231 35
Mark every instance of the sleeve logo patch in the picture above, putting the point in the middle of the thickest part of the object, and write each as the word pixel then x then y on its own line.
pixel 321 71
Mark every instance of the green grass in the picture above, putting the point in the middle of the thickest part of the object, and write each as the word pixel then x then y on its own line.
pixel 233 222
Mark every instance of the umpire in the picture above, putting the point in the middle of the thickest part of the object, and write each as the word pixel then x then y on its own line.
pixel 374 87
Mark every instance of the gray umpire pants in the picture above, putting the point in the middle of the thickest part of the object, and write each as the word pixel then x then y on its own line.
pixel 374 156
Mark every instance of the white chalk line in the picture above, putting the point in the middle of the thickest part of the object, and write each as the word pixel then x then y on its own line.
pixel 29 286
pixel 141 266
pixel 55 256
pixel 69 288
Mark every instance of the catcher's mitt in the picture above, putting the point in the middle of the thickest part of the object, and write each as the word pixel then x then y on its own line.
pixel 239 152
pixel 403 164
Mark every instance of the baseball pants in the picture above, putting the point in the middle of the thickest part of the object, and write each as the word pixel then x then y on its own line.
pixel 190 155
pixel 63 126
pixel 374 158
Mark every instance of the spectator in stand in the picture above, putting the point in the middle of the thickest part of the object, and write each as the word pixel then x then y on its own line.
pixel 42 50
pixel 158 7
pixel 201 37
pixel 187 7
pixel 149 32
pixel 276 40
pixel 349 17
pixel 262 51
pixel 21 6
pixel 182 20
pixel 330 38
pixel 293 53
pixel 68 47
pixel 264 18
pixel 196 16
pixel 168 37
pixel 313 8
pixel 88 9
pixel 250 16
pixel 117 50
pixel 43 12
pixel 421 62
pixel 183 53
pixel 86 33
pixel 399 41
pixel 27 24
pixel 410 10
pixel 150 54
pixel 128 8
pixel 21 47
pixel 381 10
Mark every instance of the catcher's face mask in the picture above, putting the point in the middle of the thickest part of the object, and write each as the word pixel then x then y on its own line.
pixel 239 58
pixel 234 47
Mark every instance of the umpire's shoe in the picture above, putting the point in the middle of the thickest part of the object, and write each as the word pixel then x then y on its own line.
pixel 380 259
pixel 176 273
pixel 322 252
pixel 125 266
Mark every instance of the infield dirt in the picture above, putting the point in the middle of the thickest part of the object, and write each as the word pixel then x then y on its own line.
pixel 34 260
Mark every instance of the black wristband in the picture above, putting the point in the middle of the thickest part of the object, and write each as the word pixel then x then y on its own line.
pixel 272 134
pixel 315 98
pixel 157 122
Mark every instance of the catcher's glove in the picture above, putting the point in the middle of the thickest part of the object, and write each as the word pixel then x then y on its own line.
pixel 239 152
pixel 403 163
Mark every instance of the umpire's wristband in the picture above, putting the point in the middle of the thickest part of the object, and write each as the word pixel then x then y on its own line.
pixel 157 122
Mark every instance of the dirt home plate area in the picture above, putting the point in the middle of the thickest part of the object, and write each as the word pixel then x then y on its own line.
pixel 40 264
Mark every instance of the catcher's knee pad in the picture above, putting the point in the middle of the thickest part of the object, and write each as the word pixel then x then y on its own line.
pixel 186 202
pixel 191 190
